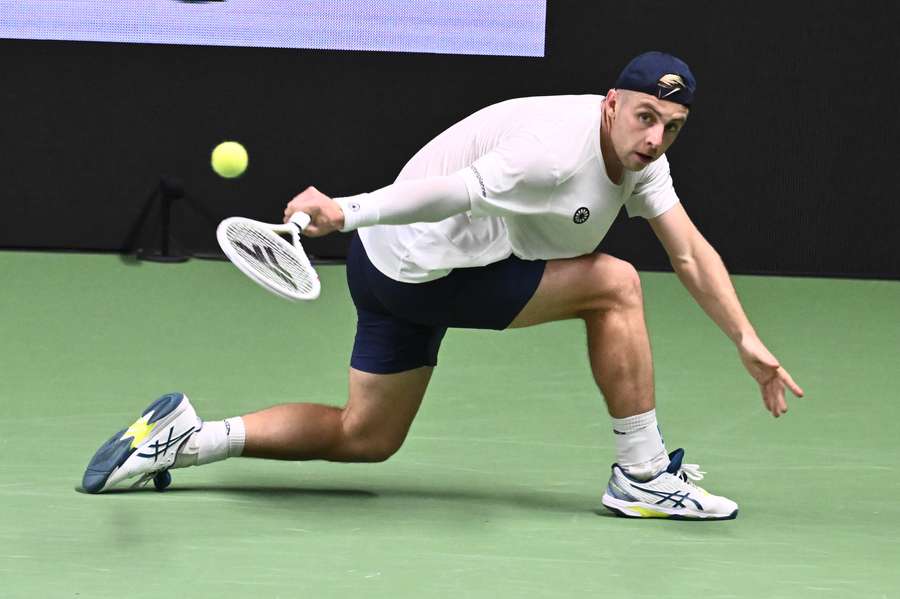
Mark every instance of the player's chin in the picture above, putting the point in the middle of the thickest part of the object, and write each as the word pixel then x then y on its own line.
pixel 639 161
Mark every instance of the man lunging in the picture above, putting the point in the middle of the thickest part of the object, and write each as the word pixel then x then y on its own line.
pixel 493 224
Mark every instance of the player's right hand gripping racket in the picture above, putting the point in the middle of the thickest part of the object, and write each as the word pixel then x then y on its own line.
pixel 260 252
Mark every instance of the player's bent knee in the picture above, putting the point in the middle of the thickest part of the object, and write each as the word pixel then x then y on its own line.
pixel 375 449
pixel 363 444
pixel 618 283
pixel 379 453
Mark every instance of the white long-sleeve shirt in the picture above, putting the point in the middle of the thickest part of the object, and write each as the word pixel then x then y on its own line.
pixel 523 177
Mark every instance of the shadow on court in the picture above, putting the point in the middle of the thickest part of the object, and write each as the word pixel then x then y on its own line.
pixel 403 497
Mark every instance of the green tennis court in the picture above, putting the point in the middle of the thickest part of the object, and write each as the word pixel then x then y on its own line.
pixel 497 490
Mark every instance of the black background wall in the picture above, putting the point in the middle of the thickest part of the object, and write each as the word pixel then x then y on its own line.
pixel 788 163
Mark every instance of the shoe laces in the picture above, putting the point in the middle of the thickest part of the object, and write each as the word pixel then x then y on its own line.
pixel 690 473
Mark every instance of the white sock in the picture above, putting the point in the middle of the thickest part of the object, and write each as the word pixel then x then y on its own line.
pixel 639 446
pixel 214 441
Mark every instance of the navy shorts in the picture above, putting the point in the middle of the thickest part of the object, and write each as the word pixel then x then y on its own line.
pixel 400 325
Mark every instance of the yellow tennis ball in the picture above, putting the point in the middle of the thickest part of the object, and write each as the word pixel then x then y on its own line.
pixel 229 159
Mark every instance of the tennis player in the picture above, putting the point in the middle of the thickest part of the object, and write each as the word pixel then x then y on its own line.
pixel 494 225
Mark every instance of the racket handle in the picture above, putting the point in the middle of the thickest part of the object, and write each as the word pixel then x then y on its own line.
pixel 301 219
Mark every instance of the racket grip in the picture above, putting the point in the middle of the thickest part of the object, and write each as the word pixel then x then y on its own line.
pixel 301 219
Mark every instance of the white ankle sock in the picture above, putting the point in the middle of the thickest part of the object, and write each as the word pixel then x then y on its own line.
pixel 639 446
pixel 214 441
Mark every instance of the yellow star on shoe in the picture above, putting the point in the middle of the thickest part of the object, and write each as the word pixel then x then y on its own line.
pixel 139 430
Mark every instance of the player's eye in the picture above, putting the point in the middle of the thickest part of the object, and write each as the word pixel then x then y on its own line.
pixel 645 117
pixel 673 127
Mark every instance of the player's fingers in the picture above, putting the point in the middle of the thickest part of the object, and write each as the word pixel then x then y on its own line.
pixel 769 362
pixel 785 376
pixel 774 407
pixel 290 209
pixel 767 397
pixel 773 393
pixel 780 403
pixel 319 227
pixel 767 403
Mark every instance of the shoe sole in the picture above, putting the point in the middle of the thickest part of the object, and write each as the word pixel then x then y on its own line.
pixel 117 449
pixel 637 509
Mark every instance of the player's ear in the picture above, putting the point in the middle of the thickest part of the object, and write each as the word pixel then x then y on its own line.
pixel 612 102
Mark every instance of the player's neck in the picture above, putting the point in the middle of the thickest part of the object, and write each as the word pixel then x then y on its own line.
pixel 615 171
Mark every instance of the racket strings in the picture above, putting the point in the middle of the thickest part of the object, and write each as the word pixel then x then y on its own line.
pixel 272 258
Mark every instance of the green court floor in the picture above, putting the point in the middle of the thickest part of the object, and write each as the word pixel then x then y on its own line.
pixel 497 491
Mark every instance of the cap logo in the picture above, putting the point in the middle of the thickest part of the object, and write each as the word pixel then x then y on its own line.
pixel 668 85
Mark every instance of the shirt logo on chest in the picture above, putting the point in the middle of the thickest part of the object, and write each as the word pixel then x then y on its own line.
pixel 581 215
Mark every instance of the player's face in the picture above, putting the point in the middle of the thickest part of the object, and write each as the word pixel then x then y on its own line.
pixel 643 128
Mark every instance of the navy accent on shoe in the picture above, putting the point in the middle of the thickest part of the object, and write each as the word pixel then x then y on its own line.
pixel 163 406
pixel 675 459
pixel 117 450
pixel 110 456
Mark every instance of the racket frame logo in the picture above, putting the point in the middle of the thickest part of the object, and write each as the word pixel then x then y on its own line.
pixel 260 251
pixel 266 257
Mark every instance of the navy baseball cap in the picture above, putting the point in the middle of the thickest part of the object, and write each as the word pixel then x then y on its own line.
pixel 660 75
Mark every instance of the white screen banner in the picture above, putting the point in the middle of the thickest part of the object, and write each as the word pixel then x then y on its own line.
pixel 496 27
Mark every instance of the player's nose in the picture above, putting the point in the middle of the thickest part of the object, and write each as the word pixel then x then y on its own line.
pixel 655 136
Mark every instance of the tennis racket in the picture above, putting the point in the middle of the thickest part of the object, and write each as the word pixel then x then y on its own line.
pixel 260 252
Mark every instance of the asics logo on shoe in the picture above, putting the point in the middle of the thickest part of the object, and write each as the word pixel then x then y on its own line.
pixel 160 447
pixel 676 497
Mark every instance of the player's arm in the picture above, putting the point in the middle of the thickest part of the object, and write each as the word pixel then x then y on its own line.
pixel 414 201
pixel 702 272
pixel 515 177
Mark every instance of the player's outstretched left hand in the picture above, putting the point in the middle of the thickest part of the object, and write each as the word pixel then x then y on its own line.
pixel 767 371
pixel 325 214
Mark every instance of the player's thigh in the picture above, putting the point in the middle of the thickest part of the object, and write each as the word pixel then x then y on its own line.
pixel 570 288
pixel 382 406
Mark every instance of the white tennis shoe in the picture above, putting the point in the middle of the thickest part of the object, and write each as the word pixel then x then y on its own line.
pixel 670 494
pixel 147 448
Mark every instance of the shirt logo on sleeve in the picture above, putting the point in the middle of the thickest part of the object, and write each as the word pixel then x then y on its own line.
pixel 480 180
pixel 581 215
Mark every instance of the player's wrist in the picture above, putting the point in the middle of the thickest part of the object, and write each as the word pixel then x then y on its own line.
pixel 748 345
pixel 336 217
pixel 357 212
pixel 745 337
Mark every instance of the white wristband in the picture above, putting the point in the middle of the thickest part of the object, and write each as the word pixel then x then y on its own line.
pixel 357 212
